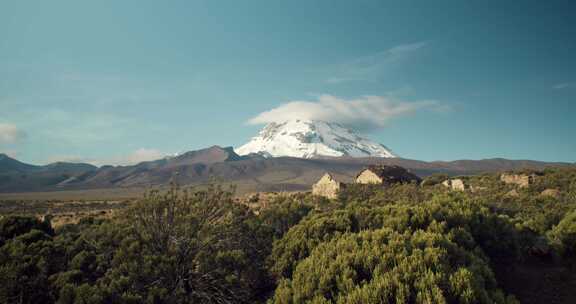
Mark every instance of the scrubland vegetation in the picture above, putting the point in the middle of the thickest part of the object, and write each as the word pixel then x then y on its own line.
pixel 406 243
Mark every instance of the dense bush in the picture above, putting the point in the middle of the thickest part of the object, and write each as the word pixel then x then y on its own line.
pixel 174 247
pixel 26 263
pixel 377 195
pixel 384 266
pixel 564 235
pixel 285 212
pixel 403 243
pixel 494 234
pixel 13 226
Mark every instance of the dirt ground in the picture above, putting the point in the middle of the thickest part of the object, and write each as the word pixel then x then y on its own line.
pixel 67 207
pixel 63 212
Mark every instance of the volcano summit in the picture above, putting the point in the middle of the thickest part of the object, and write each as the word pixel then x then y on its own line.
pixel 312 139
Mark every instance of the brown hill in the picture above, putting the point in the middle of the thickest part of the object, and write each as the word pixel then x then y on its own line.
pixel 252 172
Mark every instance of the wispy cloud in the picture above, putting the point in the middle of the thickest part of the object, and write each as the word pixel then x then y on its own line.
pixel 564 85
pixel 10 133
pixel 370 68
pixel 365 114
pixel 73 127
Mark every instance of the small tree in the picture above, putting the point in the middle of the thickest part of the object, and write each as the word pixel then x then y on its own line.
pixel 181 229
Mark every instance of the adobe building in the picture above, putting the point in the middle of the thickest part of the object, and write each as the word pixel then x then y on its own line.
pixel 327 187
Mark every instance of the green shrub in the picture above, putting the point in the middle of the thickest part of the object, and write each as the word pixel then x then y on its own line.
pixel 564 235
pixel 285 212
pixel 13 226
pixel 495 235
pixel 384 266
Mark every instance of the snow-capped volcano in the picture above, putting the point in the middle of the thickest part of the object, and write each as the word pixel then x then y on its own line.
pixel 309 139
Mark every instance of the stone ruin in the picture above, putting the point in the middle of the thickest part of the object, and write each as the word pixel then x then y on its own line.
pixel 385 175
pixel 455 184
pixel 521 180
pixel 327 187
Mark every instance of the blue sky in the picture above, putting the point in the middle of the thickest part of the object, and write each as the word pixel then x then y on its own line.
pixel 121 81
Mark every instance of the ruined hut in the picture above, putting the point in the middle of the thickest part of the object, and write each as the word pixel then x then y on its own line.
pixel 455 184
pixel 383 174
pixel 522 180
pixel 327 186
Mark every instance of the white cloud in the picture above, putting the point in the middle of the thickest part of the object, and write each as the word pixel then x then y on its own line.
pixel 9 133
pixel 370 68
pixel 364 114
pixel 132 158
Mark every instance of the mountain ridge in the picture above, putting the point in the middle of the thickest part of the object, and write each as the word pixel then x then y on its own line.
pixel 252 171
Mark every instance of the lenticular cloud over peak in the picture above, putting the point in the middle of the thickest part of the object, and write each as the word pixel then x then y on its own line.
pixel 364 114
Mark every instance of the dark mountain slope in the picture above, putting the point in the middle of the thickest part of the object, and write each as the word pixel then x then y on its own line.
pixel 18 176
pixel 8 164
